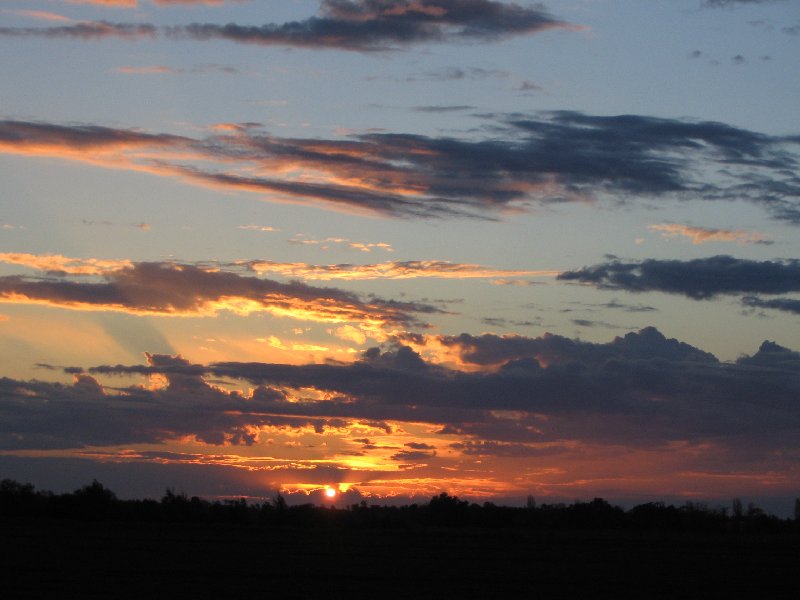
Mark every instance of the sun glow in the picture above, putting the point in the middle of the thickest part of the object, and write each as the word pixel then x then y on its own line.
pixel 330 492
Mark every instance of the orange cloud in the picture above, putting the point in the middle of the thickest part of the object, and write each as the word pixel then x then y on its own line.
pixel 40 15
pixel 110 3
pixel 172 289
pixel 390 270
pixel 64 264
pixel 704 235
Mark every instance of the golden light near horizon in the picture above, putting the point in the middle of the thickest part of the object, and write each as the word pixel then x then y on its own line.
pixel 330 492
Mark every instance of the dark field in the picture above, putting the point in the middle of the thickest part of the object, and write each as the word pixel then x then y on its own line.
pixel 57 559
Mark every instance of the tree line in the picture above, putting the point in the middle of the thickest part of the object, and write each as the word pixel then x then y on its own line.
pixel 95 502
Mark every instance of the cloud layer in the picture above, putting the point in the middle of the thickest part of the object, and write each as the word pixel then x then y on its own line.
pixel 641 391
pixel 700 279
pixel 558 157
pixel 174 289
pixel 361 25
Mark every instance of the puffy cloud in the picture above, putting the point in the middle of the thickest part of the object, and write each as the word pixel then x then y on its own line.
pixel 641 390
pixel 550 412
pixel 700 279
pixel 516 351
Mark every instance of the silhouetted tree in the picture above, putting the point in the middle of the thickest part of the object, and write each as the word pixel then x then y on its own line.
pixel 737 508
pixel 95 501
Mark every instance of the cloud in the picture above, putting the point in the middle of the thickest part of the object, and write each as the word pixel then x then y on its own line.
pixel 148 70
pixel 631 308
pixel 704 235
pixel 109 3
pixel 266 228
pixel 594 323
pixel 56 263
pixel 134 3
pixel 442 108
pixel 370 25
pixel 548 410
pixel 358 25
pixel 457 74
pixel 732 3
pixel 491 351
pixel 559 157
pixel 39 15
pixel 325 243
pixel 86 30
pixel 790 305
pixel 639 391
pixel 699 279
pixel 175 289
pixel 164 70
pixel 389 270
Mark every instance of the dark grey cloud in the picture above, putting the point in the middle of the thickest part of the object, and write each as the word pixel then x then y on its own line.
pixel 595 323
pixel 35 134
pixel 490 350
pixel 638 391
pixel 700 279
pixel 556 157
pixel 443 108
pixel 456 74
pixel 369 25
pixel 360 25
pixel 167 288
pixel 87 30
pixel 790 305
pixel 631 308
pixel 641 390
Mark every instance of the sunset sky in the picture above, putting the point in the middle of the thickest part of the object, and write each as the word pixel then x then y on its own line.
pixel 399 247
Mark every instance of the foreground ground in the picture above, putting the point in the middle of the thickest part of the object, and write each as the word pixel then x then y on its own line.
pixel 72 559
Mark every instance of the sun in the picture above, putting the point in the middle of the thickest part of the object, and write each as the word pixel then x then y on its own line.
pixel 330 492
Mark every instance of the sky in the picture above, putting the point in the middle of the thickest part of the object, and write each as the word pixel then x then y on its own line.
pixel 391 248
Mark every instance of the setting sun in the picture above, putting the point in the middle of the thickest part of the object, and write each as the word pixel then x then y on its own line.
pixel 330 492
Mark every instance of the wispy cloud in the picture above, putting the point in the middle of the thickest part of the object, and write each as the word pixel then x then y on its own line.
pixel 326 243
pixel 389 270
pixel 164 70
pixel 134 3
pixel 56 263
pixel 732 3
pixel 360 25
pixel 175 289
pixel 86 30
pixel 790 305
pixel 266 228
pixel 558 157
pixel 40 15
pixel 704 235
